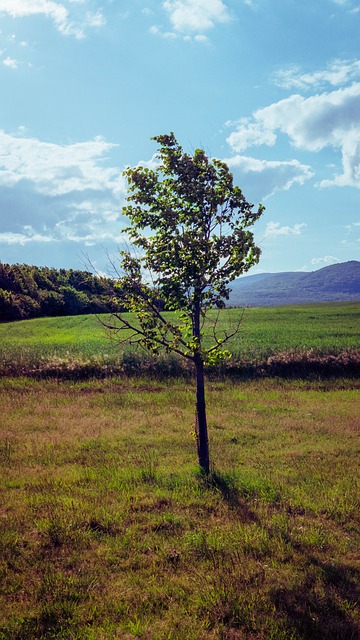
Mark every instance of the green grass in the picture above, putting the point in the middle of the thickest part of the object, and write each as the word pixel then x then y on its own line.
pixel 108 531
pixel 57 344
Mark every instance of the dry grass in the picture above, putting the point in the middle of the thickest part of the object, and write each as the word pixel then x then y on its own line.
pixel 107 530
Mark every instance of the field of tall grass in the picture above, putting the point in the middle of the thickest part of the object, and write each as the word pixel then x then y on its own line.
pixel 271 341
pixel 108 531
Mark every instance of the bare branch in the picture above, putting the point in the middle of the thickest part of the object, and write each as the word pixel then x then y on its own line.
pixel 143 335
pixel 227 336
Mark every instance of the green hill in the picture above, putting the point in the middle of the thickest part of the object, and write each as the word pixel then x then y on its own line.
pixel 335 283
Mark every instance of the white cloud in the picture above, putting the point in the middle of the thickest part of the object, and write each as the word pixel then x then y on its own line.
pixel 89 235
pixel 352 227
pixel 56 169
pixel 22 8
pixel 58 191
pixel 167 35
pixel 10 62
pixel 23 238
pixel 188 16
pixel 249 134
pixel 264 177
pixel 94 20
pixel 273 229
pixel 62 17
pixel 351 232
pixel 325 260
pixel 338 73
pixel 325 120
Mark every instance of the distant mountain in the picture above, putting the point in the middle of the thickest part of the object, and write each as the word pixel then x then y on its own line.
pixel 335 283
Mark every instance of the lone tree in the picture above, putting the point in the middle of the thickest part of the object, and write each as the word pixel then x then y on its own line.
pixel 189 238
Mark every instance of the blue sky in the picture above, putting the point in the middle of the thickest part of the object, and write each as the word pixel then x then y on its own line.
pixel 270 86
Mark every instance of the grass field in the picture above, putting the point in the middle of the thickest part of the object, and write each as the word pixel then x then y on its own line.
pixel 107 530
pixel 55 344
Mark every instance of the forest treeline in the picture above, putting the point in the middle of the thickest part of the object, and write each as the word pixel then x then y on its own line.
pixel 34 292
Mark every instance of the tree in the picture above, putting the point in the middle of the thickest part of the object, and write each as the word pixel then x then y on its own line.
pixel 189 238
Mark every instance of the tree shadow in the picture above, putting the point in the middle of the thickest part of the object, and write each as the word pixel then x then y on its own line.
pixel 323 605
pixel 226 485
pixel 322 609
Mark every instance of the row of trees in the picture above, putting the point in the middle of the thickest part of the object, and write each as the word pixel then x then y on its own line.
pixel 33 292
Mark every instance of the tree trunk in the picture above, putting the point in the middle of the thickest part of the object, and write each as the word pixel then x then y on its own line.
pixel 201 423
pixel 200 418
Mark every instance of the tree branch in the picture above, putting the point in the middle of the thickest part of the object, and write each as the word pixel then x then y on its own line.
pixel 142 336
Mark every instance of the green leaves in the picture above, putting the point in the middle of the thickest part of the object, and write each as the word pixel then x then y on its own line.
pixel 191 225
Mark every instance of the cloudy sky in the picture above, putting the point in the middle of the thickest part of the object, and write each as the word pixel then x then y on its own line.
pixel 270 86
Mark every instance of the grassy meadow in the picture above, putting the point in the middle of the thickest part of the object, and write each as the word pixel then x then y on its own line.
pixel 268 337
pixel 107 529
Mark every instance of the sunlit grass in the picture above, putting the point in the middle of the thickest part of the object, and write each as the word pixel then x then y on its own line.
pixel 268 340
pixel 108 531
